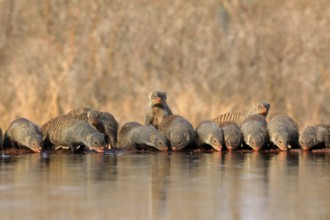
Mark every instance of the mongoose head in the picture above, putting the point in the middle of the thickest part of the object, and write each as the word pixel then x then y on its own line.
pixel 93 117
pixel 95 141
pixel 256 141
pixel 215 141
pixel 157 98
pixel 34 143
pixel 159 142
pixel 281 141
pixel 179 140
pixel 262 108
pixel 307 141
pixel 232 142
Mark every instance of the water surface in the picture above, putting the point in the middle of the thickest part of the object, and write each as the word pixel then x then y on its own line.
pixel 283 185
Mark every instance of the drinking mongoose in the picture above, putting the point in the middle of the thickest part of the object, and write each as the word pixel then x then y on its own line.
pixel 133 135
pixel 22 133
pixel 261 108
pixel 178 131
pixel 283 132
pixel 157 108
pixel 67 131
pixel 209 133
pixel 233 136
pixel 255 133
pixel 315 136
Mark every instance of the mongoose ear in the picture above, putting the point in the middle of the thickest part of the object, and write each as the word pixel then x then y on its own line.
pixel 209 138
pixel 248 138
pixel 153 138
pixel 187 136
pixel 275 138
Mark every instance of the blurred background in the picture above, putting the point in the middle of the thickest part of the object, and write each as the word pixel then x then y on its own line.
pixel 211 56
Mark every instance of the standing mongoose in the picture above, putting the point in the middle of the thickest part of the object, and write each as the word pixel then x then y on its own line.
pixel 261 108
pixel 283 132
pixel 104 122
pixel 67 131
pixel 23 133
pixel 209 133
pixel 254 129
pixel 133 135
pixel 314 136
pixel 157 108
pixel 232 134
pixel 178 131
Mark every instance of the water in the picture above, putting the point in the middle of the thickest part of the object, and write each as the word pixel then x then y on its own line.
pixel 166 186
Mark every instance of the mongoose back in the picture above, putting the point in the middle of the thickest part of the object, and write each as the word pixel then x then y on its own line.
pixel 261 108
pixel 80 112
pixel 67 131
pixel 157 108
pixel 315 136
pixel 283 132
pixel 105 123
pixel 23 133
pixel 232 134
pixel 133 135
pixel 210 133
pixel 254 129
pixel 178 131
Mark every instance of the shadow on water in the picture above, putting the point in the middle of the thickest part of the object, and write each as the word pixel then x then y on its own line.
pixel 165 185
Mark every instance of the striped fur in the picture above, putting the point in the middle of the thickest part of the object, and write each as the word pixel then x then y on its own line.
pixel 236 117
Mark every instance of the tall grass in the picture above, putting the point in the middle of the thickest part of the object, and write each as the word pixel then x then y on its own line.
pixel 210 56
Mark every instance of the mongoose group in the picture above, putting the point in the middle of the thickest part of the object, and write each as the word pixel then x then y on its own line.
pixel 85 128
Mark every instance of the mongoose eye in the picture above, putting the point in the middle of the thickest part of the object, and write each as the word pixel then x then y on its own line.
pixel 280 142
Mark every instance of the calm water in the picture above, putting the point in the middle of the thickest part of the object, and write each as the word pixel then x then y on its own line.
pixel 252 186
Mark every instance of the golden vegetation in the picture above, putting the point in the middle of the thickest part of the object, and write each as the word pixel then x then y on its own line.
pixel 210 56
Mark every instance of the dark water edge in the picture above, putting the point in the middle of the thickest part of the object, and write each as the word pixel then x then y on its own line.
pixel 163 185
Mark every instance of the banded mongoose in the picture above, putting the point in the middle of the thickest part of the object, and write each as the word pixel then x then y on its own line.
pixel 315 136
pixel 65 130
pixel 178 131
pixel 233 135
pixel 157 108
pixel 22 133
pixel 255 133
pixel 209 133
pixel 133 135
pixel 261 108
pixel 105 123
pixel 283 132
